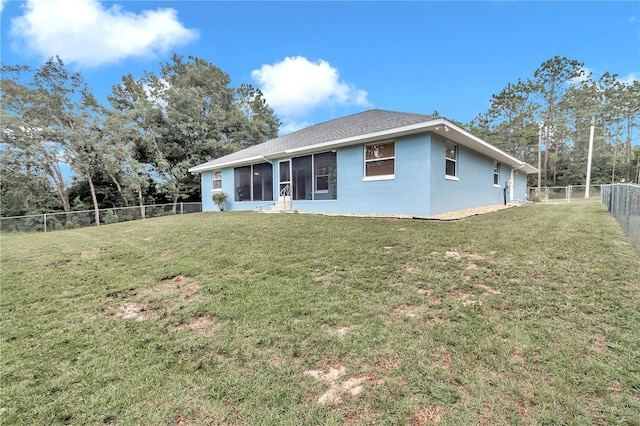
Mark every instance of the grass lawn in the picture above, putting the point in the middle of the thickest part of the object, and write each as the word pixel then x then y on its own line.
pixel 530 315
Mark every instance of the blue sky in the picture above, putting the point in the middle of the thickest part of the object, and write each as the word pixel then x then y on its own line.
pixel 316 61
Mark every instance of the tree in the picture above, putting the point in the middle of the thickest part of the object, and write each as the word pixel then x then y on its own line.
pixel 551 80
pixel 188 114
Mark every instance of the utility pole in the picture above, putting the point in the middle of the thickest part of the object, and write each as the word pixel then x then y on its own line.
pixel 590 156
pixel 540 127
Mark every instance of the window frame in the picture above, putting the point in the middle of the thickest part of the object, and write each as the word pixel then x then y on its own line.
pixel 214 180
pixel 252 182
pixel 387 176
pixel 496 174
pixel 449 160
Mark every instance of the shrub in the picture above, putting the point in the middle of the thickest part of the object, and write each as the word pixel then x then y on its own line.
pixel 110 217
pixel 220 199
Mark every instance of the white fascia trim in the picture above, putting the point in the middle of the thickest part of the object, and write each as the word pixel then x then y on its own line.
pixel 475 143
pixel 440 126
pixel 243 162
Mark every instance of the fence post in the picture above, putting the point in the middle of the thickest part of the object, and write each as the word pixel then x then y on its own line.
pixel 627 208
pixel 181 208
pixel 45 221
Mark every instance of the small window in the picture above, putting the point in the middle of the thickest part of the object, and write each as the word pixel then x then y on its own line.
pixel 451 166
pixel 217 181
pixel 496 173
pixel 379 160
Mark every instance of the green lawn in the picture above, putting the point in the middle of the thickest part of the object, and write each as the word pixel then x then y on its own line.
pixel 530 315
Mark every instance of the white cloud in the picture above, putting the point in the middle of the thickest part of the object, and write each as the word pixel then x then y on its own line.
pixel 295 86
pixel 87 33
pixel 629 79
pixel 586 75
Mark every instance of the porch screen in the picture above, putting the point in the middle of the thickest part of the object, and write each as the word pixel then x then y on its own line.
pixel 254 183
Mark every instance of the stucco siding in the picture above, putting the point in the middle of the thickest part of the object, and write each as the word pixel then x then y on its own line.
pixel 474 185
pixel 519 187
pixel 406 193
pixel 206 184
pixel 419 186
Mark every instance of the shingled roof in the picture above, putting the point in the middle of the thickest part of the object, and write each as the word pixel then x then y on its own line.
pixel 367 126
pixel 366 122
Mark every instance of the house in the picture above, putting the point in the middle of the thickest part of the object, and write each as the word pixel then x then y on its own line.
pixel 376 161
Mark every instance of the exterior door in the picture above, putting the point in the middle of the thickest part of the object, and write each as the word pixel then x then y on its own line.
pixel 284 186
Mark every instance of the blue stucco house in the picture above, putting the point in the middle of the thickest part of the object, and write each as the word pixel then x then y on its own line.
pixel 377 161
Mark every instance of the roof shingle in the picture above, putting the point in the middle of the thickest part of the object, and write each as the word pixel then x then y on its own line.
pixel 366 122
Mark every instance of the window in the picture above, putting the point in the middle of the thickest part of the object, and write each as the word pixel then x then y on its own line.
pixel 451 166
pixel 379 160
pixel 325 168
pixel 217 181
pixel 315 177
pixel 254 183
pixel 496 173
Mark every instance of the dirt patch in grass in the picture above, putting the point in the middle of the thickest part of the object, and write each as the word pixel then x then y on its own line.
pixel 432 297
pixel 339 332
pixel 459 294
pixel 338 388
pixel 441 358
pixel 170 290
pixel 427 415
pixel 203 323
pixel 137 311
pixel 487 289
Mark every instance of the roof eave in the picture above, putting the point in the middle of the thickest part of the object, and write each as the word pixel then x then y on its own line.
pixel 235 163
pixel 439 125
pixel 461 136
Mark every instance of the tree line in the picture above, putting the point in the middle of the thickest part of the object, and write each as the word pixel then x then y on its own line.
pixel 548 117
pixel 134 151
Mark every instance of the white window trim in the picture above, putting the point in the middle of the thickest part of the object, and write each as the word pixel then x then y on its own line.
pixel 496 172
pixel 392 176
pixel 213 179
pixel 379 177
pixel 455 161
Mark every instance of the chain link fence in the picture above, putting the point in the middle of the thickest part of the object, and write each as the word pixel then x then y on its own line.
pixel 623 202
pixel 47 222
pixel 565 194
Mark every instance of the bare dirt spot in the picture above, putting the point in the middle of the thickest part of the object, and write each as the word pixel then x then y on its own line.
pixel 410 269
pixel 517 358
pixel 133 310
pixel 435 320
pixel 523 408
pixel 428 415
pixel 203 323
pixel 459 294
pixel 386 364
pixel 324 280
pixel 452 254
pixel 441 358
pixel 488 290
pixel 407 311
pixel 336 332
pixel 337 388
pixel 90 254
pixel 432 297
pixel 171 289
pixel 473 303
